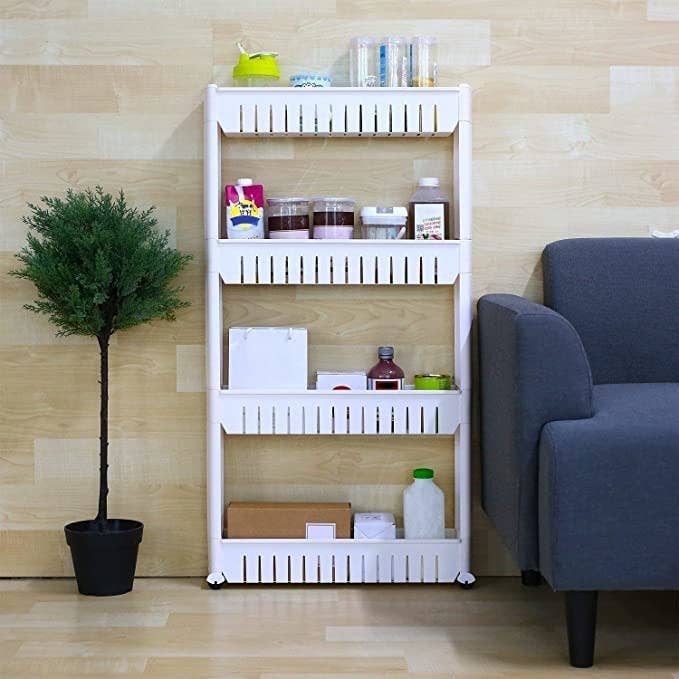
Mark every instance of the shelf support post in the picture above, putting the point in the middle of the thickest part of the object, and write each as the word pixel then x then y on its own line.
pixel 462 172
pixel 213 329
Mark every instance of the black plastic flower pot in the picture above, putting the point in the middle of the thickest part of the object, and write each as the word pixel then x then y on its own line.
pixel 104 560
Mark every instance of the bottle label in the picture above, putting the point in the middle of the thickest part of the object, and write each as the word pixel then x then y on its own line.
pixel 430 221
pixel 390 384
pixel 383 65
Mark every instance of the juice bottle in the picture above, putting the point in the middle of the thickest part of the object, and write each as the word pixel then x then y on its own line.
pixel 429 211
pixel 385 374
pixel 244 209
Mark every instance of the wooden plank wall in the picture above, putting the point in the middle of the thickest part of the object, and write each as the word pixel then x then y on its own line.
pixel 576 106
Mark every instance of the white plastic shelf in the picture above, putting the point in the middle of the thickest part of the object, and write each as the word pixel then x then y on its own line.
pixel 242 411
pixel 339 561
pixel 340 262
pixel 338 111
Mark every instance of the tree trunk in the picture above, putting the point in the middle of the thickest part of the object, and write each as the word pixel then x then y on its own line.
pixel 102 514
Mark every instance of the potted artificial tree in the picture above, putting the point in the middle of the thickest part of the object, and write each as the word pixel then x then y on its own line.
pixel 100 266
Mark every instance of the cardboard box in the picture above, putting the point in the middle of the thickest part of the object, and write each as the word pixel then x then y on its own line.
pixel 288 519
pixel 374 526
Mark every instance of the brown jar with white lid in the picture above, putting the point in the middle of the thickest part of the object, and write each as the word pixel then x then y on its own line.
pixel 429 212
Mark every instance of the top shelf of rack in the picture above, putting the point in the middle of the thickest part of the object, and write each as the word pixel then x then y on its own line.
pixel 338 111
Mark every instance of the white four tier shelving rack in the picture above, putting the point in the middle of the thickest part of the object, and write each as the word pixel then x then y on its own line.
pixel 338 112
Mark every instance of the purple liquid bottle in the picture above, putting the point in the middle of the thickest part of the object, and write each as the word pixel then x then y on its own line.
pixel 385 375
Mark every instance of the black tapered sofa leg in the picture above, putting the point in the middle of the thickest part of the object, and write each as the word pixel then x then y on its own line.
pixel 581 623
pixel 531 578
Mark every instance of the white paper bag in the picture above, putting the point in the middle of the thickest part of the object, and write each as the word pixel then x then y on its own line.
pixel 267 358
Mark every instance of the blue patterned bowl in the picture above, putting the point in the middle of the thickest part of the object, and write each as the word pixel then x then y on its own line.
pixel 310 80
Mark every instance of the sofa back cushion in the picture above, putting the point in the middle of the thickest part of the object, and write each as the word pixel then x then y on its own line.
pixel 622 296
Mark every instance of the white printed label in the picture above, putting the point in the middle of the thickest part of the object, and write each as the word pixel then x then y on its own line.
pixel 385 384
pixel 430 220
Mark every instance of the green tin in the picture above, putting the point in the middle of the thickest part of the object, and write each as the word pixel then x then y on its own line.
pixel 432 381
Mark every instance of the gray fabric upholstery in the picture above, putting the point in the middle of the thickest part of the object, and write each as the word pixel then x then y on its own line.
pixel 622 297
pixel 609 492
pixel 597 506
pixel 533 370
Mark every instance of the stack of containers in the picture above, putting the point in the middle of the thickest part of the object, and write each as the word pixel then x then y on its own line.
pixel 392 61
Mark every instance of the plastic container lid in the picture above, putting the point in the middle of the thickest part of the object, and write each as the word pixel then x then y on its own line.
pixel 398 39
pixel 385 352
pixel 259 64
pixel 244 181
pixel 427 39
pixel 320 79
pixel 333 199
pixel 429 181
pixel 362 40
pixel 287 200
pixel 386 216
pixel 423 473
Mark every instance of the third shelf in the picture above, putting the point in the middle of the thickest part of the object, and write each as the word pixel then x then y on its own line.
pixel 244 411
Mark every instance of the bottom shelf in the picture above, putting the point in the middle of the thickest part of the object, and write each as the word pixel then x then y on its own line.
pixel 338 561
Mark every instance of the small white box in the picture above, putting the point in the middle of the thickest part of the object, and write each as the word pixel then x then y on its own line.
pixel 339 380
pixel 320 531
pixel 267 358
pixel 374 526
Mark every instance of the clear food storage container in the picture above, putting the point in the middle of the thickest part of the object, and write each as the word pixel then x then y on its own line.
pixel 383 222
pixel 334 217
pixel 363 69
pixel 423 61
pixel 288 217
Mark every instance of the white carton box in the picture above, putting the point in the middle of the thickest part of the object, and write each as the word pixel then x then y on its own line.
pixel 335 379
pixel 374 526
pixel 267 358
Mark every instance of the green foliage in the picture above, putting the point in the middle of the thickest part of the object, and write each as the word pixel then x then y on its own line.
pixel 99 265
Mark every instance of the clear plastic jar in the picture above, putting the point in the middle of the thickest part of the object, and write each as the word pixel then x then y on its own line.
pixel 288 217
pixel 383 222
pixel 394 62
pixel 363 70
pixel 423 61
pixel 334 217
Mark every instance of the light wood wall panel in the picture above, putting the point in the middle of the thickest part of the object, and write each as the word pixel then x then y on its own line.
pixel 576 106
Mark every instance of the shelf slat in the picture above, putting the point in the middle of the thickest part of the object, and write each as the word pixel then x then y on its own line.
pixel 319 412
pixel 338 262
pixel 338 111
pixel 339 561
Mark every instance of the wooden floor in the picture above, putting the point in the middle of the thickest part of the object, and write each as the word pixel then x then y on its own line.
pixel 177 628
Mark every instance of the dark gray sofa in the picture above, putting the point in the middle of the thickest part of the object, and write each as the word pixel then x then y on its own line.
pixel 580 423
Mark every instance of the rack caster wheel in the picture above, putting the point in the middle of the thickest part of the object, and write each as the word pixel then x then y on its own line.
pixel 216 580
pixel 465 580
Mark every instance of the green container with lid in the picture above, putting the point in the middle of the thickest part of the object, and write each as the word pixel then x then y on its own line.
pixel 432 381
pixel 258 69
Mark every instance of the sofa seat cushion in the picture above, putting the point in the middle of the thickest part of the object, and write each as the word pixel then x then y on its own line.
pixel 609 492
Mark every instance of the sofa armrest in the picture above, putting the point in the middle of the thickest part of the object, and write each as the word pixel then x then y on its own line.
pixel 533 370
